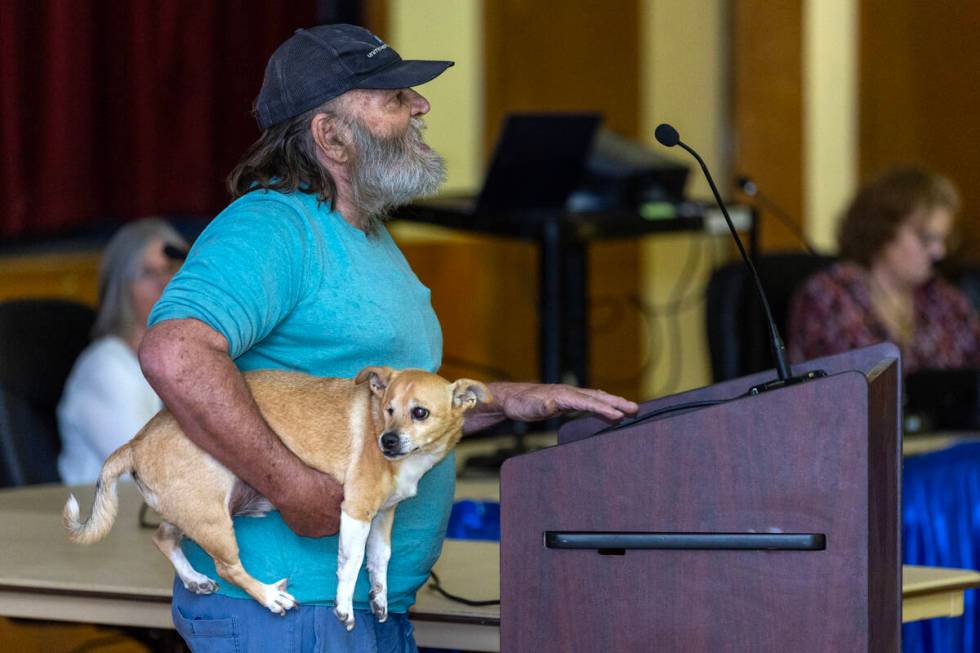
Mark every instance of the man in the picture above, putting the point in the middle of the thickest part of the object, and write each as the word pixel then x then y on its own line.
pixel 300 273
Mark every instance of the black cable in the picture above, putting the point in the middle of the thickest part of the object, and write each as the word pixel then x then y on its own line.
pixel 749 188
pixel 598 326
pixel 650 341
pixel 692 261
pixel 437 586
pixel 666 410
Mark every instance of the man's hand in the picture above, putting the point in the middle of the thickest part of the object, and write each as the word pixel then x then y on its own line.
pixel 311 508
pixel 187 363
pixel 530 402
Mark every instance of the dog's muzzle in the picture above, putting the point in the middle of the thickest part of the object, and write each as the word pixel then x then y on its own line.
pixel 391 444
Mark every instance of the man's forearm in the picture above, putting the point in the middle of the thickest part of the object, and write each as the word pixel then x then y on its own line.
pixel 534 401
pixel 187 364
pixel 485 415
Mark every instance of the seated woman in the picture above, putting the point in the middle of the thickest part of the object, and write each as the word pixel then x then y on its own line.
pixel 106 400
pixel 894 232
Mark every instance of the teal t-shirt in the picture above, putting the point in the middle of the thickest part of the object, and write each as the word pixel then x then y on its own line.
pixel 294 286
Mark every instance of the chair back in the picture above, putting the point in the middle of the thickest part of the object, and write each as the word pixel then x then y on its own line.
pixel 39 342
pixel 738 337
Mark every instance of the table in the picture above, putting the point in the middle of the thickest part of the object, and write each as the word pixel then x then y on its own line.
pixel 929 592
pixel 923 443
pixel 124 580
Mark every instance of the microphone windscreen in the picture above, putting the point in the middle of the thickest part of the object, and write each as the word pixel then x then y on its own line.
pixel 667 135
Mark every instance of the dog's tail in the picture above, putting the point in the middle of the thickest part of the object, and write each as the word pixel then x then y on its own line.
pixel 106 501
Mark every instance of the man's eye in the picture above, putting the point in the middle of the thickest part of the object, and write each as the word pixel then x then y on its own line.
pixel 419 413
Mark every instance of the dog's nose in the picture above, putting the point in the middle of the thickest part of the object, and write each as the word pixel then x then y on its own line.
pixel 390 442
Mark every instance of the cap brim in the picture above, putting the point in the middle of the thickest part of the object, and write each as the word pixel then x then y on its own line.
pixel 404 74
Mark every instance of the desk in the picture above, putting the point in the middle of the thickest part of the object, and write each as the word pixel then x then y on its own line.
pixel 929 592
pixel 124 580
pixel 562 239
pixel 922 443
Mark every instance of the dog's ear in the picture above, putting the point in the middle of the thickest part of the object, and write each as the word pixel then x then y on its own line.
pixel 378 376
pixel 467 393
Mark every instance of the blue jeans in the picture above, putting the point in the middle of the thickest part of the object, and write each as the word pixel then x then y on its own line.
pixel 220 624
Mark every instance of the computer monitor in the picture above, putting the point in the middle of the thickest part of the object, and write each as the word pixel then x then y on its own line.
pixel 538 161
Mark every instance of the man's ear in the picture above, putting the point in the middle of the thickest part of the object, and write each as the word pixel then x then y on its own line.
pixel 467 393
pixel 330 136
pixel 378 376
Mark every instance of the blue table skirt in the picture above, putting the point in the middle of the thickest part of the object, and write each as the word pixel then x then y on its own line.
pixel 941 527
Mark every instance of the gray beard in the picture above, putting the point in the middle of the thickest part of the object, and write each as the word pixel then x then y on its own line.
pixel 386 173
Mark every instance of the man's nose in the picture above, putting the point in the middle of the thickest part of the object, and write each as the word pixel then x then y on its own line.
pixel 420 106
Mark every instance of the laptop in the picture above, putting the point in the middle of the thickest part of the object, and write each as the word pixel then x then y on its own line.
pixel 538 161
pixel 943 400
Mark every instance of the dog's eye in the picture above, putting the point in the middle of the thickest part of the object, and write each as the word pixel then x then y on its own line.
pixel 419 413
pixel 391 411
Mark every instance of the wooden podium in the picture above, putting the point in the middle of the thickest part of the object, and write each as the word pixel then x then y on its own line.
pixel 766 522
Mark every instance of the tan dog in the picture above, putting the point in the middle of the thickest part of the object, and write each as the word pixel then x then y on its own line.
pixel 377 435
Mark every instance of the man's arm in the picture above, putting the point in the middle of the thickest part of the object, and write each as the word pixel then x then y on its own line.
pixel 529 402
pixel 188 365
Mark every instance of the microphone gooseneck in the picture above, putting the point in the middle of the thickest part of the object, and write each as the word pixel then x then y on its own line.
pixel 750 189
pixel 667 136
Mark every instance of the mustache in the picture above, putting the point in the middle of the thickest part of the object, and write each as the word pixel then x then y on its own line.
pixel 411 140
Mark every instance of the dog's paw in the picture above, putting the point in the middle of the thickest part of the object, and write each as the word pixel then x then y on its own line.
pixel 195 581
pixel 203 586
pixel 346 616
pixel 277 599
pixel 379 603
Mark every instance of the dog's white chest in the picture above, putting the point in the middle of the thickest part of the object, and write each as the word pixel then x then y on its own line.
pixel 407 479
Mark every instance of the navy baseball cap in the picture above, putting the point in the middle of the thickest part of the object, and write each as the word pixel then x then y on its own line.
pixel 317 64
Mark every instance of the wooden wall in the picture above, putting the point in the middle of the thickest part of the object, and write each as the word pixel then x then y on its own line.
pixel 69 275
pixel 767 108
pixel 919 93
pixel 540 59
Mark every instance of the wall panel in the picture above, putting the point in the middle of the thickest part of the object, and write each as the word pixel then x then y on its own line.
pixel 918 95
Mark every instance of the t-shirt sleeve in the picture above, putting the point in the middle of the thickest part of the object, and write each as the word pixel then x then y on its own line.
pixel 244 274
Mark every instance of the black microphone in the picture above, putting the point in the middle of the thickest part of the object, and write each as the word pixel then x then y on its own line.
pixel 750 189
pixel 667 136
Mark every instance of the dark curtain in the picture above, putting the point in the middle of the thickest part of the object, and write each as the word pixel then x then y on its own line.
pixel 113 110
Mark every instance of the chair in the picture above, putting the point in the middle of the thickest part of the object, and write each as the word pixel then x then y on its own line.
pixel 738 338
pixel 966 278
pixel 39 342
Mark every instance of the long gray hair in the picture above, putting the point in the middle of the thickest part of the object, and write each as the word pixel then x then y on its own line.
pixel 284 159
pixel 121 264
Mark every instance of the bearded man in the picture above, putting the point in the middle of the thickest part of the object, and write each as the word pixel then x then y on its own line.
pixel 300 273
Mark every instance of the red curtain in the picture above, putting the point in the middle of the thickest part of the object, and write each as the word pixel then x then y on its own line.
pixel 115 110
